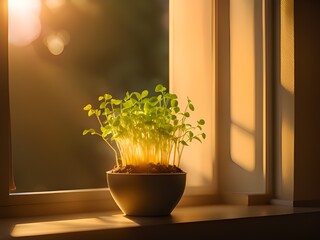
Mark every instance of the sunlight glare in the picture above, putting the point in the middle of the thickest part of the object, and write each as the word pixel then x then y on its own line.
pixel 242 148
pixel 24 21
pixel 287 152
pixel 71 225
pixel 287 46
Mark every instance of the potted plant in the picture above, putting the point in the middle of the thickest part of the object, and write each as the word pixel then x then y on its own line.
pixel 147 135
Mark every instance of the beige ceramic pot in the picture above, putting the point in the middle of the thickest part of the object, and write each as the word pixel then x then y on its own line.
pixel 143 194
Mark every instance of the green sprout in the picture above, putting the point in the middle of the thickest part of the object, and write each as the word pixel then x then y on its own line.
pixel 145 129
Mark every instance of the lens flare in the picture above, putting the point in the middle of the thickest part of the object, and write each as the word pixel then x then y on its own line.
pixel 24 21
pixel 55 44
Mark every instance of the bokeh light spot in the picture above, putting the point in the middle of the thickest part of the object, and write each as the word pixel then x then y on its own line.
pixel 55 44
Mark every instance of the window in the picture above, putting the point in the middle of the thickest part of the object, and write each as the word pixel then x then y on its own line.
pixel 200 55
pixel 62 56
pixel 87 196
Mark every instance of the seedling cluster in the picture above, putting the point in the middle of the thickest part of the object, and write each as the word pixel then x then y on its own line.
pixel 146 129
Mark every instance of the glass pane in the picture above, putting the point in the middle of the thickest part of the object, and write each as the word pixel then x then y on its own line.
pixel 63 54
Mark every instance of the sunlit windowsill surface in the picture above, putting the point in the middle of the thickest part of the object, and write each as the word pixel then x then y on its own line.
pixel 185 222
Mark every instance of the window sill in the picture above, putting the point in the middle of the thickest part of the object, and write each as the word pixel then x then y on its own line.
pixel 185 222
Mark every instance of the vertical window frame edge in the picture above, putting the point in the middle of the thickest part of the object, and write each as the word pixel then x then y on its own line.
pixel 4 106
pixel 268 65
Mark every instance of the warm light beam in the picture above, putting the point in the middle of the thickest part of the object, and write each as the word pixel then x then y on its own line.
pixel 24 21
pixel 71 225
pixel 242 147
pixel 243 80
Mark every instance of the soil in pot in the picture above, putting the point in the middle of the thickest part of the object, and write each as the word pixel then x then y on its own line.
pixel 147 168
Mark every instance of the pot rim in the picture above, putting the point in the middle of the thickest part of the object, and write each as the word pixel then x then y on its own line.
pixel 146 174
